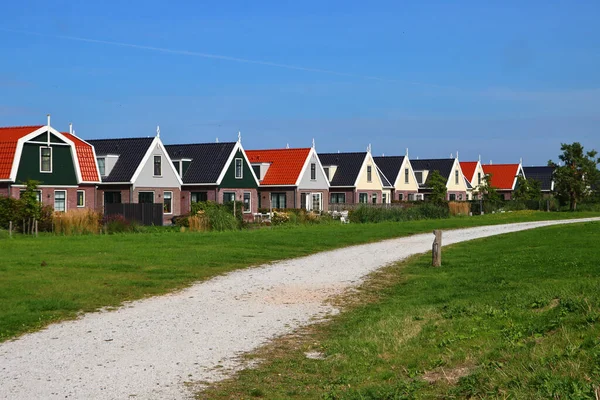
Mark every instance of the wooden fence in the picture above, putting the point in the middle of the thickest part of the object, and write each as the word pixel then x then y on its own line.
pixel 143 213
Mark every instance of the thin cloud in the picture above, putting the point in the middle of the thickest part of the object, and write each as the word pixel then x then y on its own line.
pixel 221 57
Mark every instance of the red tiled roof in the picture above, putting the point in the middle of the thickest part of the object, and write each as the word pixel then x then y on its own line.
pixel 468 169
pixel 503 175
pixel 85 157
pixel 8 146
pixel 286 164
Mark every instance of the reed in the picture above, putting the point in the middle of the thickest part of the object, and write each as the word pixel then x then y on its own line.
pixel 77 222
pixel 459 208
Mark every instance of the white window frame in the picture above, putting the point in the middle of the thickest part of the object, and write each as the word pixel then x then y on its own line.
pixel 103 169
pixel 228 193
pixel 374 197
pixel 83 192
pixel 170 198
pixel 406 173
pixel 384 198
pixel 249 210
pixel 41 163
pixel 313 171
pixel 456 177
pixel 154 166
pixel 312 201
pixel 64 199
pixel 363 195
pixel 369 173
pixel 241 176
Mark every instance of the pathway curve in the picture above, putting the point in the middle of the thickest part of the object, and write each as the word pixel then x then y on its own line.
pixel 149 349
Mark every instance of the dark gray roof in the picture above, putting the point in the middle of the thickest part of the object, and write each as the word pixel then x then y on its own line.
pixel 442 165
pixel 131 151
pixel 542 174
pixel 348 166
pixel 469 186
pixel 390 166
pixel 208 160
pixel 385 182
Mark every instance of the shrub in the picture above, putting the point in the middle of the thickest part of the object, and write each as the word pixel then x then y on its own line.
pixel 77 222
pixel 219 216
pixel 116 224
pixel 280 218
pixel 422 210
pixel 9 211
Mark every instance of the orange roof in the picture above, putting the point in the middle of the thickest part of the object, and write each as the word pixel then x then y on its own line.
pixel 503 175
pixel 85 158
pixel 286 164
pixel 8 146
pixel 468 169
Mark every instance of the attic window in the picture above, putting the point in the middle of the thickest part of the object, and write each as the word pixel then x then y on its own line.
pixel 419 176
pixel 102 166
pixel 479 178
pixel 157 165
pixel 456 177
pixel 238 169
pixel 45 159
pixel 406 175
pixel 369 173
pixel 313 171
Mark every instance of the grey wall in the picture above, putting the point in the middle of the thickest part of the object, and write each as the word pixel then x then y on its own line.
pixel 147 178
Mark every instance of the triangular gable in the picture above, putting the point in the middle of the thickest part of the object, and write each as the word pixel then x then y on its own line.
pixel 451 178
pixel 363 170
pixel 236 148
pixel 312 153
pixel 399 178
pixel 169 162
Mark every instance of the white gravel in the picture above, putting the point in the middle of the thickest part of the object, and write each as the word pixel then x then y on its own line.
pixel 149 349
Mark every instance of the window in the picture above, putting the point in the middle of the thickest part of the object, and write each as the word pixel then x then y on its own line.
pixel 384 198
pixel 460 197
pixel 363 198
pixel 369 173
pixel 337 198
pixel 146 197
pixel 419 176
pixel 479 178
pixel 411 197
pixel 326 169
pixel 80 198
pixel 157 166
pixel 168 202
pixel 256 169
pixel 406 175
pixel 456 177
pixel 452 197
pixel 247 202
pixel 38 195
pixel 112 197
pixel 177 165
pixel 60 200
pixel 228 197
pixel 374 198
pixel 239 174
pixel 316 202
pixel 313 172
pixel 45 159
pixel 278 200
pixel 304 201
pixel 102 166
pixel 198 196
pixel 400 196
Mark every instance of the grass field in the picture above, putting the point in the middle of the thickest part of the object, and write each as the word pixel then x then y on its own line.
pixel 513 317
pixel 52 278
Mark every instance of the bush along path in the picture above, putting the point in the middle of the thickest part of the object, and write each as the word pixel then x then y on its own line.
pixel 160 347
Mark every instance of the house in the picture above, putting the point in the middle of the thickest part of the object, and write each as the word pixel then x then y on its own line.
pixel 354 178
pixel 218 172
pixel 399 171
pixel 449 168
pixel 290 178
pixel 504 177
pixel 63 164
pixel 473 172
pixel 542 175
pixel 137 170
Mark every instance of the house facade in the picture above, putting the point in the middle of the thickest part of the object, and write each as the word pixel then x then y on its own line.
pixel 449 169
pixel 219 172
pixel 399 171
pixel 354 178
pixel 290 178
pixel 137 170
pixel 63 165
pixel 473 172
pixel 504 177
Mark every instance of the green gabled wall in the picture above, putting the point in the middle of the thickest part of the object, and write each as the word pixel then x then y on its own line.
pixel 63 169
pixel 229 180
pixel 44 138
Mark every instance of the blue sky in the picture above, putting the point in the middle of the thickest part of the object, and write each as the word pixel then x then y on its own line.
pixel 502 79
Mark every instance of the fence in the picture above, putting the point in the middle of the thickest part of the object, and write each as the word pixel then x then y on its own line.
pixel 143 213
pixel 353 206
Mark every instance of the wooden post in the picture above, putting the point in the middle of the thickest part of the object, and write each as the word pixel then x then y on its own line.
pixel 436 249
pixel 9 228
pixel 36 228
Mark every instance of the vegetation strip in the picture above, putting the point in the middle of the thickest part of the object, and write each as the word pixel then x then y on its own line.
pixel 512 316
pixel 54 278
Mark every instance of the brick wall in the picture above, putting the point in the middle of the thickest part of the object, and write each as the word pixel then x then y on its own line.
pixel 370 193
pixel 460 195
pixel 404 193
pixel 159 196
pixel 324 198
pixel 48 196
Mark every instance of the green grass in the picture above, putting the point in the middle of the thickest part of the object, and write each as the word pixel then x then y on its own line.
pixel 53 278
pixel 515 316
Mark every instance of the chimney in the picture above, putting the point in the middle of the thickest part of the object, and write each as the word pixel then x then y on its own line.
pixel 70 127
pixel 48 115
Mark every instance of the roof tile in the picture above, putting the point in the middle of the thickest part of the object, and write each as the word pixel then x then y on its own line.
pixel 503 175
pixel 9 137
pixel 286 164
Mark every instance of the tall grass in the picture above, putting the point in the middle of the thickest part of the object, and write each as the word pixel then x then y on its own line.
pixel 77 222
pixel 198 223
pixel 459 208
pixel 426 210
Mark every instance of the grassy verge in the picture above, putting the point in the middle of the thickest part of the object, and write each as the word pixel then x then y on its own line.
pixel 52 278
pixel 513 316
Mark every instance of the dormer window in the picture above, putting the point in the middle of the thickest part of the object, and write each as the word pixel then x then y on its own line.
pixel 45 159
pixel 326 169
pixel 102 166
pixel 157 166
pixel 419 176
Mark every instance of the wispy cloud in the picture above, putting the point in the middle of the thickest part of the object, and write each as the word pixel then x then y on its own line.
pixel 223 57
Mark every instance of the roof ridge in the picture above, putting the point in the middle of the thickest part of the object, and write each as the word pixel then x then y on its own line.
pixel 200 144
pixel 21 126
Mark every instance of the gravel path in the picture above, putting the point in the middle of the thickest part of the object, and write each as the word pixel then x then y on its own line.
pixel 149 349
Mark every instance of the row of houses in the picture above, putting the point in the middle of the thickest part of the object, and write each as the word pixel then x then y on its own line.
pixel 76 173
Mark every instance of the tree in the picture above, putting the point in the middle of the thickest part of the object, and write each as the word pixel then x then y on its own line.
pixel 30 207
pixel 437 183
pixel 489 192
pixel 574 180
pixel 527 189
